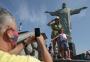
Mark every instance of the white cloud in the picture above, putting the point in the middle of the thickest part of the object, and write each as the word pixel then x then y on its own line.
pixel 39 17
pixel 23 11
pixel 82 13
pixel 36 17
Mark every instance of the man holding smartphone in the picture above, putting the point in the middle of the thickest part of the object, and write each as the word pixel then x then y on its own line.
pixel 9 50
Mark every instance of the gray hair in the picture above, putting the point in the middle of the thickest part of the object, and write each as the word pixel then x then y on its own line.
pixel 4 14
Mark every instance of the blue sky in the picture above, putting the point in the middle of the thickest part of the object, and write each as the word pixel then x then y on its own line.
pixel 31 14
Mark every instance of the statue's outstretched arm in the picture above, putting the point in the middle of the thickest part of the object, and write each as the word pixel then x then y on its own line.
pixel 54 13
pixel 76 11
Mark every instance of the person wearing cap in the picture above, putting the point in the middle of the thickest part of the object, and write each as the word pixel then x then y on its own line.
pixel 55 26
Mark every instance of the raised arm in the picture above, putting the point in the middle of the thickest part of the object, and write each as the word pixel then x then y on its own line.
pixel 44 52
pixel 51 22
pixel 55 37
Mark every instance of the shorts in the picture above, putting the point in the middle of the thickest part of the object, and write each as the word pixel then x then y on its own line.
pixel 63 44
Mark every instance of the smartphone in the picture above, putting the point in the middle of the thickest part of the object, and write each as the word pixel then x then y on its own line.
pixel 37 32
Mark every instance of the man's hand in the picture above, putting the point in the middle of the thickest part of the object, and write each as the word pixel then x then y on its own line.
pixel 40 40
pixel 30 39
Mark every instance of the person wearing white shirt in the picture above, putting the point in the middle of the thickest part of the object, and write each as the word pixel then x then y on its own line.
pixel 63 45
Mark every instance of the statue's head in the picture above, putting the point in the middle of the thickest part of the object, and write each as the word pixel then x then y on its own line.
pixel 64 5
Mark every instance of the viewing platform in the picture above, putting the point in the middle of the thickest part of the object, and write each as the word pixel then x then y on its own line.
pixel 74 60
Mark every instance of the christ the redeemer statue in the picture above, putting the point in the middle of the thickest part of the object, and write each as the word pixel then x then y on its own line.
pixel 64 15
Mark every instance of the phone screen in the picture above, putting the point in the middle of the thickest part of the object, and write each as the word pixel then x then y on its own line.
pixel 37 32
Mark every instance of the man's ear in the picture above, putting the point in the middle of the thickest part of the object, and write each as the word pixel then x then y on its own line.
pixel 9 33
